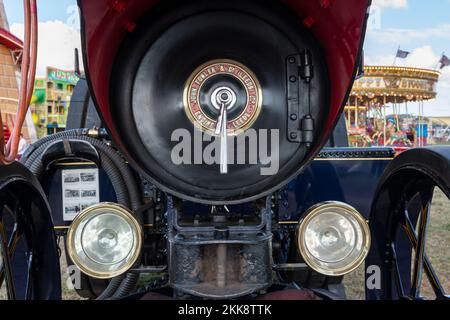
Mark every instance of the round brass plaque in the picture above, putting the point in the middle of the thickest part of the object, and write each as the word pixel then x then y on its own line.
pixel 221 71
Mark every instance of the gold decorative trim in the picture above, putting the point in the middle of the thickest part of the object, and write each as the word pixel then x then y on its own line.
pixel 384 69
pixel 354 159
pixel 288 222
pixel 384 84
pixel 68 227
pixel 61 227
pixel 215 63
pixel 319 209
pixel 71 164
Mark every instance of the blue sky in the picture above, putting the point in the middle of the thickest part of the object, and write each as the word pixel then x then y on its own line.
pixel 58 31
pixel 418 14
pixel 414 16
pixel 48 10
pixel 419 26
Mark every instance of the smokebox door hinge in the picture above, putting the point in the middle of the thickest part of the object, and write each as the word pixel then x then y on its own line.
pixel 299 74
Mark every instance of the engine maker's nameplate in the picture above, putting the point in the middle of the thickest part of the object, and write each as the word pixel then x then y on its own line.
pixel 211 71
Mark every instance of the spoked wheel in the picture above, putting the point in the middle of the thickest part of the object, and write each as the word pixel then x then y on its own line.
pixel 400 225
pixel 16 262
pixel 29 266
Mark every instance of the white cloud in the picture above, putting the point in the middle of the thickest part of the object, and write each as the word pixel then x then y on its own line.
pixel 423 57
pixel 376 11
pixel 408 36
pixel 57 42
pixel 441 106
pixel 395 4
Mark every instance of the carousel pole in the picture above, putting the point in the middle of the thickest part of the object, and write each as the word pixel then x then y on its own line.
pixel 422 123
pixel 422 131
pixel 396 112
pixel 408 116
pixel 348 120
pixel 384 121
pixel 419 122
pixel 356 114
pixel 427 134
pixel 418 127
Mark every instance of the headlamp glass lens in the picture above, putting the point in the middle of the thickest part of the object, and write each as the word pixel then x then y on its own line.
pixel 104 241
pixel 334 238
pixel 107 239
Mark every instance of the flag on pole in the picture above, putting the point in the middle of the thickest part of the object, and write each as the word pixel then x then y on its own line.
pixel 445 61
pixel 402 54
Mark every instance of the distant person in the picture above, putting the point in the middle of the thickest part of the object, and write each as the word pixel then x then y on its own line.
pixel 23 145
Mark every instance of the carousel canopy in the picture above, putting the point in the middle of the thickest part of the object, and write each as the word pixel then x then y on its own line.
pixel 382 84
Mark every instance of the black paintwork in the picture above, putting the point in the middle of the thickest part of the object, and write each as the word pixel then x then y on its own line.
pixel 82 112
pixel 52 184
pixel 157 59
pixel 26 204
pixel 346 175
pixel 405 189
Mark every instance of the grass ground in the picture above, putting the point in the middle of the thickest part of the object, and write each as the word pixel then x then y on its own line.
pixel 437 248
pixel 68 291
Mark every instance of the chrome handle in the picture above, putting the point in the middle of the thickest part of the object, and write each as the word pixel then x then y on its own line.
pixel 222 132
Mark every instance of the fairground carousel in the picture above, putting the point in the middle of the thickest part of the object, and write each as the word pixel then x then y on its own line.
pixel 395 89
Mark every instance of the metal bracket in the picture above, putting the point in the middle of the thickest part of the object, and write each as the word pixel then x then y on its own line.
pixel 299 71
pixel 173 224
pixel 293 98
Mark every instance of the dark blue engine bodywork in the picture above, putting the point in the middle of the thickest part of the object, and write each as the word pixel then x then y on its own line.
pixel 346 175
pixel 52 184
pixel 349 180
pixel 337 174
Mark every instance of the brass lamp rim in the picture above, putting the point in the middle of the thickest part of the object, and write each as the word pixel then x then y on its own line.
pixel 318 209
pixel 118 210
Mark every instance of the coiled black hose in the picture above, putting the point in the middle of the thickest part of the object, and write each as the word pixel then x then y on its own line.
pixel 122 179
pixel 31 149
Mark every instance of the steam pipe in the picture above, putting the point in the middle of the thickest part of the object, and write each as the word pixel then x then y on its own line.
pixel 8 154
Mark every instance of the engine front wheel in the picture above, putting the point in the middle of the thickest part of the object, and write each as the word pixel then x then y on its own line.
pixel 410 228
pixel 29 264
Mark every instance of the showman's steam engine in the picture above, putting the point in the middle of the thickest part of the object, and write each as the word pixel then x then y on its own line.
pixel 205 157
